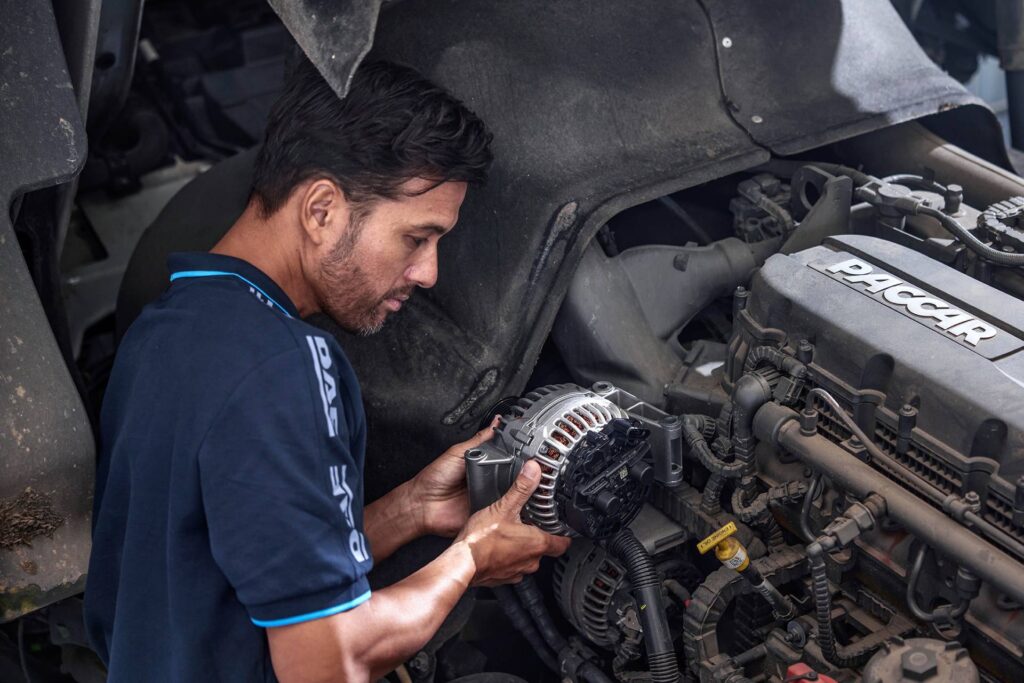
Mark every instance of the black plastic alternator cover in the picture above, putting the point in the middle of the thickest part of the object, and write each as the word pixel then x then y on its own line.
pixel 607 480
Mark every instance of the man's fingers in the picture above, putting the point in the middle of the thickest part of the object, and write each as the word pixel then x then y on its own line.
pixel 483 435
pixel 523 487
pixel 557 545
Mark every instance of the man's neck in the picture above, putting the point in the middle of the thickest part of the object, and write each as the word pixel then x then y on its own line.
pixel 271 247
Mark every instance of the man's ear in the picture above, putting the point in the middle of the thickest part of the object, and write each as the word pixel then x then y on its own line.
pixel 323 209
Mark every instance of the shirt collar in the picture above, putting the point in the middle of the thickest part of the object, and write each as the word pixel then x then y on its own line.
pixel 204 264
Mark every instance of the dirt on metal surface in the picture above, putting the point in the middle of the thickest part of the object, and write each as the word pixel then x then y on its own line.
pixel 25 517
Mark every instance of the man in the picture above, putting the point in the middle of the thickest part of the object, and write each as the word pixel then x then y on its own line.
pixel 230 538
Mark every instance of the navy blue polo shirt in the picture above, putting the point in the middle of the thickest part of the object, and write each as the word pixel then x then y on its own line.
pixel 229 487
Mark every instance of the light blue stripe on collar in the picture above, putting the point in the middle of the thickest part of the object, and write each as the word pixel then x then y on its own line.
pixel 214 273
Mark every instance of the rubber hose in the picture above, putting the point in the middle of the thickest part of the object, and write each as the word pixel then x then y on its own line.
pixel 724 421
pixel 646 586
pixel 780 360
pixel 825 636
pixel 711 501
pixel 750 392
pixel 699 448
pixel 970 241
pixel 701 424
pixel 770 528
pixel 521 621
pixel 533 601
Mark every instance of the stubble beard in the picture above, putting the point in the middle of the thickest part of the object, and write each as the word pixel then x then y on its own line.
pixel 346 291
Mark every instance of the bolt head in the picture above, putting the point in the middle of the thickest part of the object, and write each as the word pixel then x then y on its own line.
pixel 919 664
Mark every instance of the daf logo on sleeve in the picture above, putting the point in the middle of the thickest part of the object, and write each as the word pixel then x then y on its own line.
pixel 325 381
pixel 343 492
pixel 915 301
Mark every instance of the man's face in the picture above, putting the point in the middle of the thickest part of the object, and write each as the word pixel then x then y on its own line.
pixel 383 255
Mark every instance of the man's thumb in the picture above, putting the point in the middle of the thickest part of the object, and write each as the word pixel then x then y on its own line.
pixel 484 434
pixel 522 488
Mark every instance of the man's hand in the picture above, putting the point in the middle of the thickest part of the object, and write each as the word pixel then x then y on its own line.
pixel 364 643
pixel 435 501
pixel 503 548
pixel 439 490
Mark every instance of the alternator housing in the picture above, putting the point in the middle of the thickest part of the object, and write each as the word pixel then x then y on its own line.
pixel 594 477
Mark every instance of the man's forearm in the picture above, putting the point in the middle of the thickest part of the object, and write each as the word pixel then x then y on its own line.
pixel 367 642
pixel 391 522
pixel 410 612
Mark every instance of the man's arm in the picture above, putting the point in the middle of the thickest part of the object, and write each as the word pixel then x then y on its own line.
pixel 435 501
pixel 364 643
pixel 391 522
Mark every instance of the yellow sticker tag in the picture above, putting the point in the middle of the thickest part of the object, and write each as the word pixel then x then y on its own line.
pixel 716 538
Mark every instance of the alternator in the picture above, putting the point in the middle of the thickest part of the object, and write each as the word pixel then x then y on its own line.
pixel 593 474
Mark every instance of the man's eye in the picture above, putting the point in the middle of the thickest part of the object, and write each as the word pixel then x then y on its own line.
pixel 418 241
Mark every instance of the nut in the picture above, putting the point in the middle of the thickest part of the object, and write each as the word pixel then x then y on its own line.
pixel 919 664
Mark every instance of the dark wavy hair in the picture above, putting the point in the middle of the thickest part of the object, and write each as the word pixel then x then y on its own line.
pixel 392 126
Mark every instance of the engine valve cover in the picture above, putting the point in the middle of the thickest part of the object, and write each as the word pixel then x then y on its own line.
pixel 928 360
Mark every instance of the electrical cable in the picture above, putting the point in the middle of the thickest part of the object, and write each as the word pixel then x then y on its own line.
pixel 822 593
pixel 817 487
pixel 970 241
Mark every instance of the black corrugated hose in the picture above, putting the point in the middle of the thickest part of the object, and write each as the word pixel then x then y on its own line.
pixel 825 636
pixel 646 586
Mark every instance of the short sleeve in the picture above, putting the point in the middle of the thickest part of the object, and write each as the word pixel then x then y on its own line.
pixel 282 493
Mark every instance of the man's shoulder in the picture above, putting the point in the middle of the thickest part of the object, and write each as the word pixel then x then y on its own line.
pixel 225 329
pixel 218 315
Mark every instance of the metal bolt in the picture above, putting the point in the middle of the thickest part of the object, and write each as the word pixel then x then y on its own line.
pixel 918 665
pixel 420 663
pixel 727 42
pixel 756 119
pixel 804 351
pixel 953 198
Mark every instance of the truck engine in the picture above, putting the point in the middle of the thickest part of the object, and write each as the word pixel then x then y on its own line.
pixel 833 492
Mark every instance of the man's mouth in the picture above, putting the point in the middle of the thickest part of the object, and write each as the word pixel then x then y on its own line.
pixel 394 303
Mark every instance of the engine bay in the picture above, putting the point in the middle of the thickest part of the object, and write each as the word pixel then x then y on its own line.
pixel 830 488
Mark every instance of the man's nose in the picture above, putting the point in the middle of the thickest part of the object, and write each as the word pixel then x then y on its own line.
pixel 423 273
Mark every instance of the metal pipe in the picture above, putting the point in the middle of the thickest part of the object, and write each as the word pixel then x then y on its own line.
pixel 780 425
